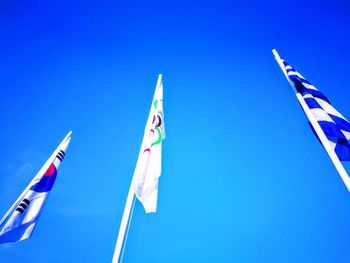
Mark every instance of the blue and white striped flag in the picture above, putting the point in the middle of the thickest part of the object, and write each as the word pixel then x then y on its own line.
pixel 20 220
pixel 325 120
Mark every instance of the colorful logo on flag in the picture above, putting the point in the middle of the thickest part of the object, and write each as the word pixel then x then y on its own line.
pixel 47 181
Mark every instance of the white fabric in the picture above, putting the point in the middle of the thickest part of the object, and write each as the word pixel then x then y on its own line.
pixel 148 167
pixel 31 214
pixel 329 108
pixel 309 86
pixel 321 115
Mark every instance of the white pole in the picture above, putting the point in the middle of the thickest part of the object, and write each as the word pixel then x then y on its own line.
pixel 124 224
pixel 338 165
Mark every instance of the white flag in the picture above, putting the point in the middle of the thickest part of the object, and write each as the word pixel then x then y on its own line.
pixel 148 167
pixel 20 220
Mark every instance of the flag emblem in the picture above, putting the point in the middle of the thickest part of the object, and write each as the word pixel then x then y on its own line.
pixel 47 181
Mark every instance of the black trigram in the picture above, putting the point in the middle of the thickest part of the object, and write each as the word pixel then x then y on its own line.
pixel 61 155
pixel 23 205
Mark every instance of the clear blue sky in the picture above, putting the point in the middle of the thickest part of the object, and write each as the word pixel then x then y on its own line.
pixel 244 179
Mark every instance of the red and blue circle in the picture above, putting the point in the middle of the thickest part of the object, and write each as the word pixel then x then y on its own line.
pixel 47 181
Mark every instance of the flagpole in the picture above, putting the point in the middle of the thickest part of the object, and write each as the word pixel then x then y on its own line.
pixel 331 153
pixel 129 205
pixel 124 224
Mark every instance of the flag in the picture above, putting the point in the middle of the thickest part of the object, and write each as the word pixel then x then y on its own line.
pixel 329 126
pixel 148 167
pixel 19 222
pixel 333 124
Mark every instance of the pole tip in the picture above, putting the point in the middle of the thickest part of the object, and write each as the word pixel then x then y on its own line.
pixel 68 136
pixel 276 55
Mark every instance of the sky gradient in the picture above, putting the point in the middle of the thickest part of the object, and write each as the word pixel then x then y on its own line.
pixel 244 179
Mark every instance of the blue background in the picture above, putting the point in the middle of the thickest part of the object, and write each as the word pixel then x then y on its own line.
pixel 244 179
